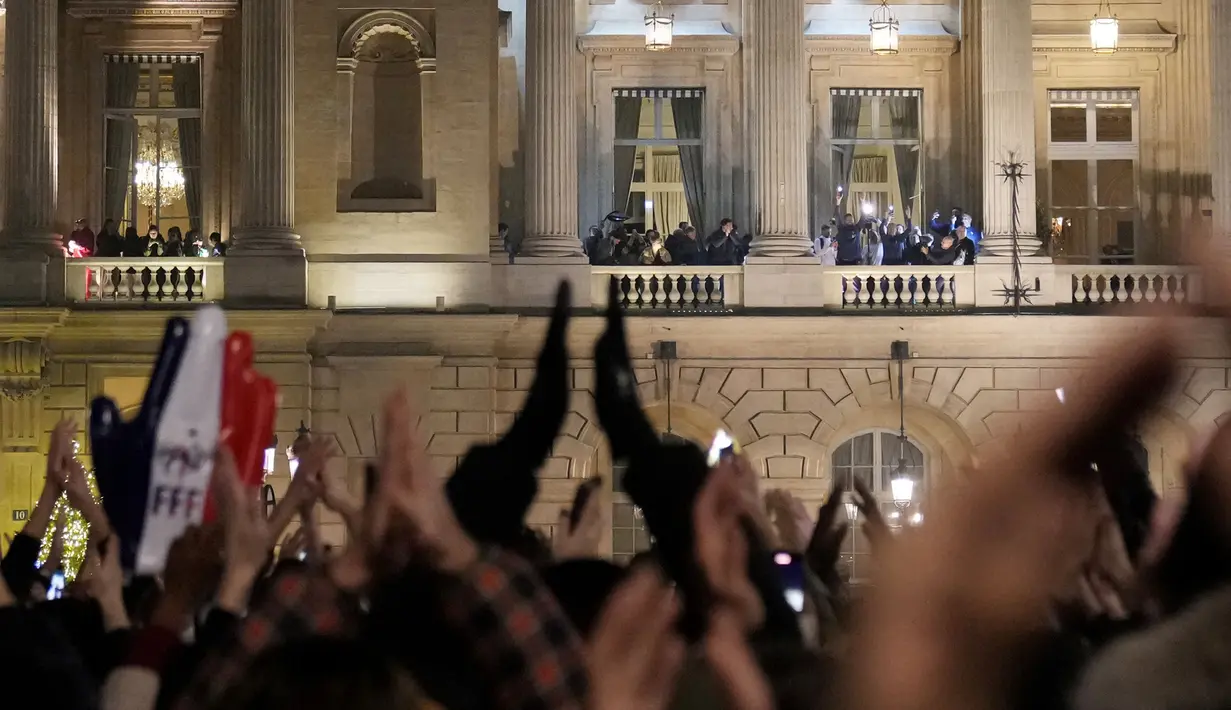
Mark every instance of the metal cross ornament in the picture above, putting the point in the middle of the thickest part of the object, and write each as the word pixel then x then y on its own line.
pixel 1013 172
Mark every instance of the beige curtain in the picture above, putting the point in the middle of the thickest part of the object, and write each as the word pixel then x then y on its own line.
pixel 670 208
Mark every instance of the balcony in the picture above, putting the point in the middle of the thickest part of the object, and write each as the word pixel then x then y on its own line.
pixel 143 282
pixel 933 289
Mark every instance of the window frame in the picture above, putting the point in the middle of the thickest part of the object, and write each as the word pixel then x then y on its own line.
pixel 1092 152
pixel 878 105
pixel 880 488
pixel 108 113
pixel 658 141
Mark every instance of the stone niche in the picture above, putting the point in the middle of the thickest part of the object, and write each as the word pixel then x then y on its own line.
pixel 386 60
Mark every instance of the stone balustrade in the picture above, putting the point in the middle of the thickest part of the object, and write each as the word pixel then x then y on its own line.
pixel 671 288
pixel 899 288
pixel 1101 285
pixel 139 282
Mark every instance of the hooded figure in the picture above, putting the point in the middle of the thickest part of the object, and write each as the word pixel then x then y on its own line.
pixel 664 480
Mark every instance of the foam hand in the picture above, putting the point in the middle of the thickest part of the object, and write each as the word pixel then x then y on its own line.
pixel 122 451
pixel 249 401
pixel 185 442
pixel 494 485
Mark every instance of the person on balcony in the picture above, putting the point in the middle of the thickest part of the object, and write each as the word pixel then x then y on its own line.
pixel 174 246
pixel 964 247
pixel 894 238
pixel 873 250
pixel 655 253
pixel 83 237
pixel 218 248
pixel 821 244
pixel 133 245
pixel 684 248
pixel 109 242
pixel 194 244
pixel 945 254
pixel 155 245
pixel 722 247
pixel 850 246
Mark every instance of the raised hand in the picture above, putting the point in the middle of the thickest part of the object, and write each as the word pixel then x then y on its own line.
pixel 617 403
pixel 247 538
pixel 790 519
pixel 825 544
pixel 955 600
pixel 580 542
pixel 635 655
pixel 874 525
pixel 194 566
pixel 106 583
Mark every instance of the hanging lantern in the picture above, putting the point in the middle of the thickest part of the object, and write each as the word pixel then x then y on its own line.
pixel 1105 30
pixel 902 486
pixel 884 27
pixel 659 29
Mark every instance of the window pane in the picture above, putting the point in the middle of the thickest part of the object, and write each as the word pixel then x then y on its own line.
pixel 1116 231
pixel 864 473
pixel 1068 123
pixel 1113 123
pixel 623 541
pixel 862 453
pixel 1073 234
pixel 842 457
pixel 1117 184
pixel 646 128
pixel 1070 183
pixel 622 515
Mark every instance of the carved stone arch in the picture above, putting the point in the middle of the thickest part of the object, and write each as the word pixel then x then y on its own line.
pixel 396 22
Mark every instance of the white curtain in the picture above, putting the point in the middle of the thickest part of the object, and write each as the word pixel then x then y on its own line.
pixel 670 208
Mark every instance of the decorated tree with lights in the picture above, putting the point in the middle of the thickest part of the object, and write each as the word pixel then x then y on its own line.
pixel 76 529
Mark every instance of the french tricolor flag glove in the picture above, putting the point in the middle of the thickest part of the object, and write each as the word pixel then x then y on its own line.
pixel 185 442
pixel 249 404
pixel 122 450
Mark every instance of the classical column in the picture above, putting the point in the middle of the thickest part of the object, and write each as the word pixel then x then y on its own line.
pixel 266 262
pixel 32 128
pixel 777 91
pixel 1007 70
pixel 1220 128
pixel 551 106
pixel 267 195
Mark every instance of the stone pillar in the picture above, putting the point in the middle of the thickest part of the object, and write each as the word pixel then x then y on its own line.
pixel 778 93
pixel 1007 70
pixel 552 117
pixel 266 261
pixel 33 258
pixel 1220 128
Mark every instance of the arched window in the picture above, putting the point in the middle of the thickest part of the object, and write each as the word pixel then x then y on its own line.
pixel 873 457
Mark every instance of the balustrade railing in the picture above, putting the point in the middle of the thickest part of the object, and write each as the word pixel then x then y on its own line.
pixel 899 288
pixel 144 281
pixel 1095 285
pixel 679 288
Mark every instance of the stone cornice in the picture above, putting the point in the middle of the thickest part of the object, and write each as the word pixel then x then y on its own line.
pixel 600 45
pixel 384 363
pixel 141 331
pixel 115 9
pixel 1154 43
pixel 363 335
pixel 30 323
pixel 858 44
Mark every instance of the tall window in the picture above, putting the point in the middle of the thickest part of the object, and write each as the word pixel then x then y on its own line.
pixel 873 458
pixel 877 140
pixel 152 174
pixel 1093 153
pixel 658 157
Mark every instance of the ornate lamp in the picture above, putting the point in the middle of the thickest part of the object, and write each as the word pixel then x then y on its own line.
pixel 659 29
pixel 884 28
pixel 900 483
pixel 1105 30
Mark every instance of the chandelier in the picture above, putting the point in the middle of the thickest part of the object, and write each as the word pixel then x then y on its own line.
pixel 1105 30
pixel 157 174
pixel 659 29
pixel 884 27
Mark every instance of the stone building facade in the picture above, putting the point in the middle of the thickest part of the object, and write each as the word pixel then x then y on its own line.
pixel 358 156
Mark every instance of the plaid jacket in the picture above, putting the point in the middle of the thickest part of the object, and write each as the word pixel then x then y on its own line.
pixel 521 638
